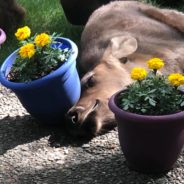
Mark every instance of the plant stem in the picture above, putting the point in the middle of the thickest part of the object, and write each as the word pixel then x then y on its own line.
pixel 155 71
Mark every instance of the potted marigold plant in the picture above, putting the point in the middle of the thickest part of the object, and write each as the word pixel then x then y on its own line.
pixel 150 118
pixel 43 75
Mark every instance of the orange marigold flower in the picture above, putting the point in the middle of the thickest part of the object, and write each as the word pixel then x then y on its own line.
pixel 27 51
pixel 138 73
pixel 176 79
pixel 155 63
pixel 23 33
pixel 42 39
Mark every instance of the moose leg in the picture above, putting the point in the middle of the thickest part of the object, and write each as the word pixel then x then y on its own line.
pixel 170 17
pixel 78 11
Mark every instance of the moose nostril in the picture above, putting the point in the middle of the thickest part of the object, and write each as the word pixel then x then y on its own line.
pixel 73 116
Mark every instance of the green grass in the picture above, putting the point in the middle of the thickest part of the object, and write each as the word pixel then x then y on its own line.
pixel 41 16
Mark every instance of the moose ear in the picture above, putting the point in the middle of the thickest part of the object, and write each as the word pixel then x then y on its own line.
pixel 122 46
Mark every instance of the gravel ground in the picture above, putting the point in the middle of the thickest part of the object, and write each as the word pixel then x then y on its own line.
pixel 33 153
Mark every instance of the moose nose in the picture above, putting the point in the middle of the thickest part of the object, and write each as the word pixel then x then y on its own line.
pixel 73 115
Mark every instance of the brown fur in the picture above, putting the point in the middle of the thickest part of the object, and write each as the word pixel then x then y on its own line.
pixel 11 14
pixel 117 37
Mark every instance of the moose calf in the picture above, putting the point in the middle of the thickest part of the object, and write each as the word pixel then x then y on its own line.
pixel 118 37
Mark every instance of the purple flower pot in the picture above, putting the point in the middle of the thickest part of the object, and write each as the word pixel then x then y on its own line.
pixel 2 36
pixel 151 144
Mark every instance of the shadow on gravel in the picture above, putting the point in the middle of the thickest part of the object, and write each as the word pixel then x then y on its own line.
pixel 109 170
pixel 18 130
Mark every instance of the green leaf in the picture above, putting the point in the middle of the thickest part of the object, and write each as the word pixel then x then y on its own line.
pixel 182 104
pixel 152 102
pixel 126 107
pixel 143 111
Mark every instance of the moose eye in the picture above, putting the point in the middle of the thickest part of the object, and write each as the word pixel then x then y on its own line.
pixel 90 81
pixel 124 60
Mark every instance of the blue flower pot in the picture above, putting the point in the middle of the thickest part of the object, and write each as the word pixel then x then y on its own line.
pixel 50 97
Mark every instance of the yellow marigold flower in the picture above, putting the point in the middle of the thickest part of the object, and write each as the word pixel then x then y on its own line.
pixel 27 51
pixel 155 63
pixel 176 79
pixel 42 39
pixel 138 73
pixel 23 33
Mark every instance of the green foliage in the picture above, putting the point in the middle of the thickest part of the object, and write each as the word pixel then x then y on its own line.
pixel 152 96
